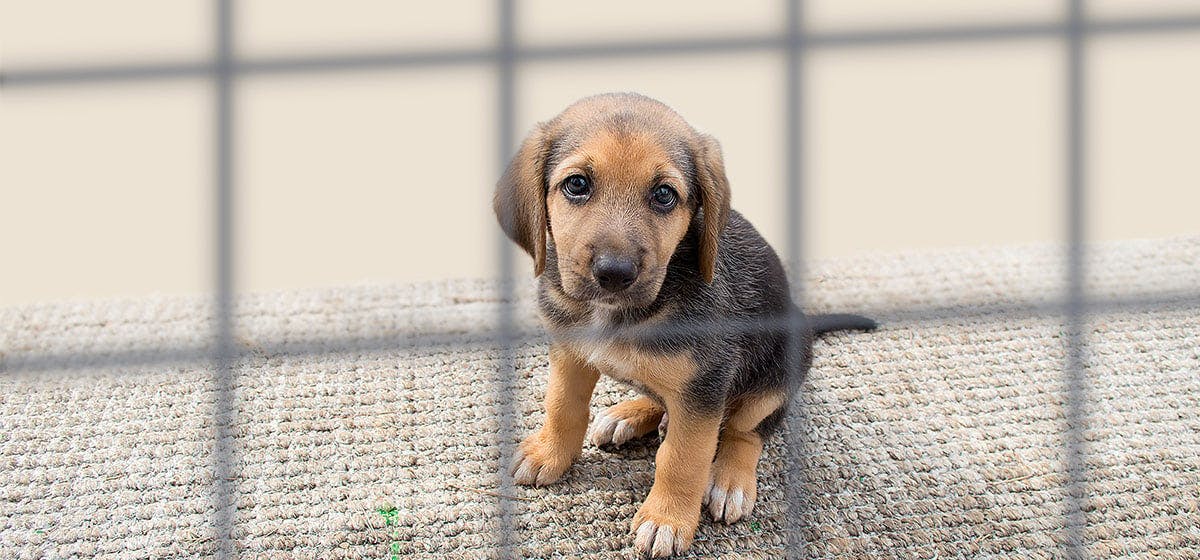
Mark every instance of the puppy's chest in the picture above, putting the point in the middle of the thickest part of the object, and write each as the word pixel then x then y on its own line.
pixel 586 332
pixel 613 359
pixel 664 374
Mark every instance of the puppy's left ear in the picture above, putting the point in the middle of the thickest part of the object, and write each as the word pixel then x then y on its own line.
pixel 714 201
pixel 520 198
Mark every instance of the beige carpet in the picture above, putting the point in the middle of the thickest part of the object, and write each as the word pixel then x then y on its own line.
pixel 938 436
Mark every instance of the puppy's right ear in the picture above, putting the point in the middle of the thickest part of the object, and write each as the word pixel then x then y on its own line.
pixel 520 199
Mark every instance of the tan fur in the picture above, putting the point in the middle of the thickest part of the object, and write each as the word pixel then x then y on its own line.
pixel 546 455
pixel 749 411
pixel 682 464
pixel 519 202
pixel 568 396
pixel 664 375
pixel 734 486
pixel 714 192
pixel 737 457
pixel 562 301
pixel 624 168
pixel 642 414
pixel 683 460
pixel 624 162
pixel 681 475
pixel 735 470
pixel 625 165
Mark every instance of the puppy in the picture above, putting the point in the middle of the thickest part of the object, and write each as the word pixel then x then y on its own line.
pixel 645 273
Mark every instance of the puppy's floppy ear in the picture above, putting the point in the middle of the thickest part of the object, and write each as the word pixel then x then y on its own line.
pixel 714 201
pixel 520 199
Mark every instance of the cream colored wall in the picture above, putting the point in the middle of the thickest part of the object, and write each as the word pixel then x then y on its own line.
pixel 386 175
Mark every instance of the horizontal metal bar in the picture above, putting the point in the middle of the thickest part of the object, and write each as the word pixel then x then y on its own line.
pixel 1169 24
pixel 999 33
pixel 628 49
pixel 404 59
pixel 115 73
pixel 489 337
pixel 366 61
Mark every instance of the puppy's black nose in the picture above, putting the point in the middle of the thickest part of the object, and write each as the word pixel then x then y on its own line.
pixel 614 273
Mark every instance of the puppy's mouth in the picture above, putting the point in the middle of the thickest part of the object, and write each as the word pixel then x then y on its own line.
pixel 642 293
pixel 612 301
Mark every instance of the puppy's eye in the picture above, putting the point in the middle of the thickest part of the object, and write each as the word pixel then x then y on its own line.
pixel 577 188
pixel 663 198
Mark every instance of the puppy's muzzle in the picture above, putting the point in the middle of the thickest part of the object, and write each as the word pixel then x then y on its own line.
pixel 614 273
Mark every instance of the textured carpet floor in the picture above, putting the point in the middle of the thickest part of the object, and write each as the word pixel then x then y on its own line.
pixel 938 436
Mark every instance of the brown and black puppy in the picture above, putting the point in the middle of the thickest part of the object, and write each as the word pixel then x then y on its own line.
pixel 625 210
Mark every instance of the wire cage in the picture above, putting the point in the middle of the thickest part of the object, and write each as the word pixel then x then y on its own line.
pixel 225 68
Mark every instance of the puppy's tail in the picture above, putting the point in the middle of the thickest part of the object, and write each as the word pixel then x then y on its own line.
pixel 821 324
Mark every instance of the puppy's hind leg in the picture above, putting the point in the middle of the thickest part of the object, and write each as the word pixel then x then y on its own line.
pixel 626 421
pixel 734 485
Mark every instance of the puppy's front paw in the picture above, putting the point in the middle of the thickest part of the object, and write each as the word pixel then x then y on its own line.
pixel 540 461
pixel 659 535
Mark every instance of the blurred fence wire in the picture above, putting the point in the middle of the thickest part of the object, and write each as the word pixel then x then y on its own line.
pixel 225 67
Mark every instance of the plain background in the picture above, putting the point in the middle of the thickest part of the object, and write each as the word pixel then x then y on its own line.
pixel 385 176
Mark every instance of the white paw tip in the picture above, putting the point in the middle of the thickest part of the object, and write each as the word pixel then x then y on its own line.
pixel 602 431
pixel 664 543
pixel 733 506
pixel 728 505
pixel 517 459
pixel 656 541
pixel 645 535
pixel 544 477
pixel 622 433
pixel 524 474
pixel 716 502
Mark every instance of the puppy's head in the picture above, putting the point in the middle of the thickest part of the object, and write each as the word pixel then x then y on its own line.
pixel 616 181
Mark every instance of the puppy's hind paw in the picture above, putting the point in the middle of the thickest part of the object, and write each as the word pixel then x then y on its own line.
pixel 731 493
pixel 610 430
pixel 728 505
pixel 624 422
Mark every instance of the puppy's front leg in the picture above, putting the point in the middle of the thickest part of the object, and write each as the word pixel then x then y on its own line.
pixel 544 456
pixel 667 520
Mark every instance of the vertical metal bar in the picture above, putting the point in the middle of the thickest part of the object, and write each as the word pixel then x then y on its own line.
pixel 225 470
pixel 505 109
pixel 794 210
pixel 1076 369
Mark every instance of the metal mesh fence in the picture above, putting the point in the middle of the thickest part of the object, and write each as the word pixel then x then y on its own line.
pixel 225 67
